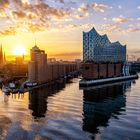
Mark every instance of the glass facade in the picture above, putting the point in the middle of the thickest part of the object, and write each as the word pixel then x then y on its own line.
pixel 97 48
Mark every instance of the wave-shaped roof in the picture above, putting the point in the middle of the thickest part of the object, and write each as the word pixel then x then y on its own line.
pixel 102 40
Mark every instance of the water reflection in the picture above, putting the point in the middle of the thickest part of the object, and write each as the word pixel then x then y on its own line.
pixel 38 98
pixel 56 112
pixel 100 104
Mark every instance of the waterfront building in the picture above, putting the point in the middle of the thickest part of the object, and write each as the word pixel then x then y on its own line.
pixel 40 70
pixel 37 65
pixel 98 48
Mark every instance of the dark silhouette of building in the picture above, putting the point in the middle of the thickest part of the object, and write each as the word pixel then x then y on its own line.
pixel 2 55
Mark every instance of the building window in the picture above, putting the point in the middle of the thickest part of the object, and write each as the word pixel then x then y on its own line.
pixel 86 68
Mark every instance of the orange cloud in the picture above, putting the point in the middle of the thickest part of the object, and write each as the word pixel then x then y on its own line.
pixel 9 31
pixel 23 15
pixel 4 4
pixel 36 15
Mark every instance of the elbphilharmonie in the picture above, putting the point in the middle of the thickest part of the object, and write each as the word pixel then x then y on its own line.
pixel 98 48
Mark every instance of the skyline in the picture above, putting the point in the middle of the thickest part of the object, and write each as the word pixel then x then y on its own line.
pixel 57 25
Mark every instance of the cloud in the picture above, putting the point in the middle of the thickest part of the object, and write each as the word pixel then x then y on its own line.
pixel 41 9
pixel 61 1
pixel 24 27
pixel 9 31
pixel 71 27
pixel 84 7
pixel 31 26
pixel 110 28
pixel 133 29
pixel 78 26
pixel 99 7
pixel 117 28
pixel 120 19
pixel 23 15
pixel 36 27
pixel 37 15
pixel 105 18
pixel 95 6
pixel 119 6
pixel 81 16
pixel 3 14
pixel 4 4
pixel 138 7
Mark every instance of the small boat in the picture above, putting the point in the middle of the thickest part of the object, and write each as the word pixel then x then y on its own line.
pixel 14 91
pixel 22 90
pixel 6 89
pixel 31 84
pixel 12 85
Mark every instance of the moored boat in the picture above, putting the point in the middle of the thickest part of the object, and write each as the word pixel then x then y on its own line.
pixel 29 84
pixel 12 85
pixel 6 89
pixel 14 90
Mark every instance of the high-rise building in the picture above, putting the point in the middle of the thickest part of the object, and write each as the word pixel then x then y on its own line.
pixel 37 65
pixel 98 48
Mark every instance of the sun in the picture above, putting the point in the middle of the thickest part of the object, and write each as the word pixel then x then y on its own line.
pixel 19 50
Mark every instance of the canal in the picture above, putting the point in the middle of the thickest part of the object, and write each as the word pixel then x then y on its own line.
pixel 65 112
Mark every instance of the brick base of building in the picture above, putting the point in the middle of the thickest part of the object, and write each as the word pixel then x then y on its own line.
pixel 101 70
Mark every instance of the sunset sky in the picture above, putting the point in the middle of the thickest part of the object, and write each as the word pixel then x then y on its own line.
pixel 57 25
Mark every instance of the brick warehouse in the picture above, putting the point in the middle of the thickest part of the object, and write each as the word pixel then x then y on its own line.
pixel 101 70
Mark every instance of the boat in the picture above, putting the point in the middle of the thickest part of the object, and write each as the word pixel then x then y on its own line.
pixel 22 90
pixel 14 90
pixel 29 84
pixel 6 89
pixel 12 85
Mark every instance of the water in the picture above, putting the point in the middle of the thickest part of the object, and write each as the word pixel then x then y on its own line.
pixel 65 112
